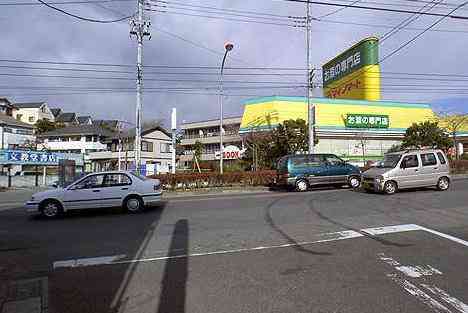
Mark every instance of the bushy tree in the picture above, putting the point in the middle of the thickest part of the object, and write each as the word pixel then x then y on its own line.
pixel 43 126
pixel 265 148
pixel 426 134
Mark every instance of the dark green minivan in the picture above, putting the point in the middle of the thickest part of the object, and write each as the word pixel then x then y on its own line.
pixel 301 171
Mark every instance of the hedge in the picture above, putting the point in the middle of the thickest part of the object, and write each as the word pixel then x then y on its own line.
pixel 459 166
pixel 213 179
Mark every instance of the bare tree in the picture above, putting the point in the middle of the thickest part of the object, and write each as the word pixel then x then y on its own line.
pixel 453 123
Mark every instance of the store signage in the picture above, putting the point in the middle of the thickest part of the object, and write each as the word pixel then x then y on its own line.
pixel 230 153
pixel 367 121
pixel 355 73
pixel 37 157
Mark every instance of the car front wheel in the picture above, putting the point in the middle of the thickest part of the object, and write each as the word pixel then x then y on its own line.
pixel 390 187
pixel 51 209
pixel 133 204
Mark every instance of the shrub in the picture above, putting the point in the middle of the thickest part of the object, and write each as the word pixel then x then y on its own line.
pixel 459 166
pixel 214 179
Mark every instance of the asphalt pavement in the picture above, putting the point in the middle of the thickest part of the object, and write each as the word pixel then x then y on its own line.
pixel 327 250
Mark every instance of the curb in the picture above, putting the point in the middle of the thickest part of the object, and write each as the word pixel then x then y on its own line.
pixel 215 192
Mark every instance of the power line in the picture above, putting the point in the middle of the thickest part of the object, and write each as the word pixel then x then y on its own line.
pixel 226 18
pixel 375 8
pixel 61 3
pixel 84 18
pixel 407 21
pixel 229 11
pixel 421 33
pixel 335 11
pixel 386 26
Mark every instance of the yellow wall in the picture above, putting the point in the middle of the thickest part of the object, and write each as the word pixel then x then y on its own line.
pixel 329 112
pixel 361 84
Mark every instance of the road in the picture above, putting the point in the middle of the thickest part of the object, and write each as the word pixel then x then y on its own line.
pixel 328 250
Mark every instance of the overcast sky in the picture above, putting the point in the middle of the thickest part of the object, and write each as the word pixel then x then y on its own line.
pixel 37 33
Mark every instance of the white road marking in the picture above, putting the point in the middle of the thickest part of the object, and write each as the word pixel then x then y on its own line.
pixel 457 304
pixel 328 237
pixel 418 271
pixel 88 261
pixel 409 270
pixel 419 294
pixel 449 237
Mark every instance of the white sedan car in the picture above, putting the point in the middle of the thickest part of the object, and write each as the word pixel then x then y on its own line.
pixel 98 190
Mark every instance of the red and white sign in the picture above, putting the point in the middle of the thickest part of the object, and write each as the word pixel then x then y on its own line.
pixel 230 153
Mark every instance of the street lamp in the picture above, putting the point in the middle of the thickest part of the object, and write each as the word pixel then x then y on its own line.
pixel 227 47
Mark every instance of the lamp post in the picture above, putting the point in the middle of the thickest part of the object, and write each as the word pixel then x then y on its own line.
pixel 227 47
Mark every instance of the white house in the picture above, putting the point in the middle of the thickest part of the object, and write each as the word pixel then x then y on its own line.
pixel 32 112
pixel 84 139
pixel 14 134
pixel 155 151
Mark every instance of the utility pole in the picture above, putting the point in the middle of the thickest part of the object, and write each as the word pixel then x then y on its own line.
pixel 174 131
pixel 310 107
pixel 140 29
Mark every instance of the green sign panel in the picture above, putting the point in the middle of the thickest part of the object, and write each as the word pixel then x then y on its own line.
pixel 367 121
pixel 366 52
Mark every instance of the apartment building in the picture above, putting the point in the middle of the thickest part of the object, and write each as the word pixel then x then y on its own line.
pixel 207 133
pixel 156 147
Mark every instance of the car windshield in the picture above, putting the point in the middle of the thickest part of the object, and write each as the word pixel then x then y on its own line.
pixel 389 161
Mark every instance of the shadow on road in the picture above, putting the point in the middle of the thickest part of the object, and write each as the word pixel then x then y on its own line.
pixel 289 239
pixel 173 290
pixel 102 289
pixel 347 227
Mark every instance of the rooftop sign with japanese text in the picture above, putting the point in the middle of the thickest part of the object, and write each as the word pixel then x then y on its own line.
pixel 355 73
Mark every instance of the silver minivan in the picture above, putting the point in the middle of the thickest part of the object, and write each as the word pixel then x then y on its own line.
pixel 408 169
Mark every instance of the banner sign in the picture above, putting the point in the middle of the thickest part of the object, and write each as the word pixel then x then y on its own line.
pixel 367 121
pixel 355 73
pixel 37 157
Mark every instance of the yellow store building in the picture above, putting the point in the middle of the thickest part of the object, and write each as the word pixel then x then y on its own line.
pixel 347 128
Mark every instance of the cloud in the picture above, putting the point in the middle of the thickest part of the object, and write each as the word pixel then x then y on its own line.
pixel 38 33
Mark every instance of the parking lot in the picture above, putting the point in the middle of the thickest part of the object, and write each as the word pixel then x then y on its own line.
pixel 328 250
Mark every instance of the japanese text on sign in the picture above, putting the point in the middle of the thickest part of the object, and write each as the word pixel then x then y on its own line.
pixel 32 157
pixel 367 121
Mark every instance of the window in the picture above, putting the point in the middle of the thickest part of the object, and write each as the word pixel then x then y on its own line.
pixel 31 119
pixel 89 138
pixel 333 160
pixel 7 130
pixel 306 161
pixel 410 161
pixel 165 147
pixel 113 180
pixel 19 117
pixel 146 146
pixel 428 159
pixel 24 132
pixel 441 158
pixel 90 182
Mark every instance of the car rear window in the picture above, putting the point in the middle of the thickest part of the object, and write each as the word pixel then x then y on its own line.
pixel 441 158
pixel 428 159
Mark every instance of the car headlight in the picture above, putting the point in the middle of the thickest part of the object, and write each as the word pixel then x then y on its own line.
pixel 379 179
